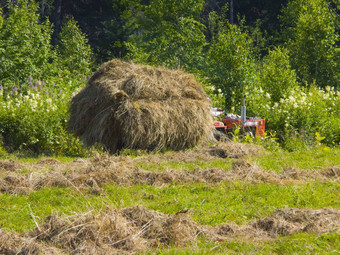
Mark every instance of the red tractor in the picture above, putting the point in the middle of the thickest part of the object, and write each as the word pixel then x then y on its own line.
pixel 227 123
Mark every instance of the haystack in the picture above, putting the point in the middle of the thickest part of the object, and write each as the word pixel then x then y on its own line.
pixel 125 105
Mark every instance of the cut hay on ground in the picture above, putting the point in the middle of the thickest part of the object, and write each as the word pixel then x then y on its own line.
pixel 12 244
pixel 136 229
pixel 103 169
pixel 126 105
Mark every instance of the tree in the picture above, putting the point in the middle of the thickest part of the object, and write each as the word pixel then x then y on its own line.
pixel 232 64
pixel 25 48
pixel 276 75
pixel 73 52
pixel 167 33
pixel 309 32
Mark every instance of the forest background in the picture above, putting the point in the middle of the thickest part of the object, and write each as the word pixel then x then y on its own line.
pixel 283 55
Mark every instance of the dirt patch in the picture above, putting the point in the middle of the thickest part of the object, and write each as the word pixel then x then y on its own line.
pixel 137 229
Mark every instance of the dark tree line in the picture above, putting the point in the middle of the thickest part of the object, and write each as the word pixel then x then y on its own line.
pixel 106 21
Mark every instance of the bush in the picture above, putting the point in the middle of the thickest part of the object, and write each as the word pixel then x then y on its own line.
pixel 35 119
pixel 301 111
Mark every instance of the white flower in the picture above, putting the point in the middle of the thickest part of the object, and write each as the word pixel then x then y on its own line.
pixel 219 90
pixel 267 95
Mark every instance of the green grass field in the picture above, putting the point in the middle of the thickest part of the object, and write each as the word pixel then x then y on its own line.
pixel 207 204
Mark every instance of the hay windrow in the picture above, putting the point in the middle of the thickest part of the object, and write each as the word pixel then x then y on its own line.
pixel 94 173
pixel 137 229
pixel 126 105
pixel 12 244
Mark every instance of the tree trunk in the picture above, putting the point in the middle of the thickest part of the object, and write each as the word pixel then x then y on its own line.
pixel 56 19
pixel 231 7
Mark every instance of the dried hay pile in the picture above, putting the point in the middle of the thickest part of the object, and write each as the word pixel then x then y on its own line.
pixel 126 105
pixel 135 230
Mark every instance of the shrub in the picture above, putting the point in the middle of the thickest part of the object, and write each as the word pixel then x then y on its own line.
pixel 301 111
pixel 35 119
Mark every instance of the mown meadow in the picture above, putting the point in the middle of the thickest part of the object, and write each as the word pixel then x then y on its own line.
pixel 228 196
pixel 276 195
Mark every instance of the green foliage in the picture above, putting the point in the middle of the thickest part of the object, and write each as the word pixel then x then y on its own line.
pixel 167 33
pixel 1 20
pixel 74 53
pixel 35 119
pixel 276 76
pixel 300 112
pixel 232 64
pixel 116 29
pixel 309 32
pixel 25 48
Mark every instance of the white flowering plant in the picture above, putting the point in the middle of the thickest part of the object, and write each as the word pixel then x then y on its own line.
pixel 34 116
pixel 302 110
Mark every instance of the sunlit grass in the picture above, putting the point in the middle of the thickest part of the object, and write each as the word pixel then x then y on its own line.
pixel 207 204
pixel 313 159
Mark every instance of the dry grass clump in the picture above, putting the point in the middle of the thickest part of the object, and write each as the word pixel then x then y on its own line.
pixel 9 165
pixel 227 149
pixel 230 149
pixel 115 231
pixel 90 233
pixel 12 244
pixel 137 229
pixel 293 220
pixel 126 105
